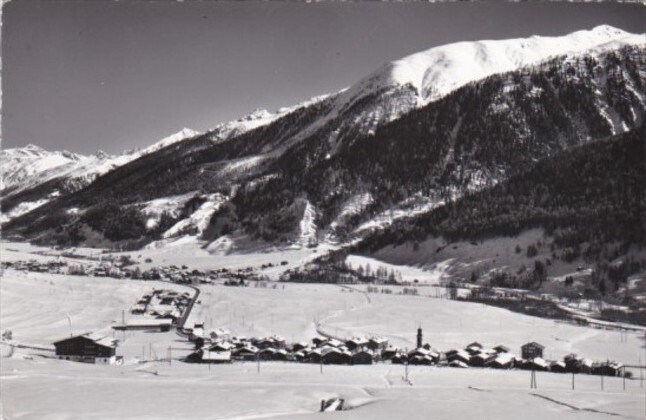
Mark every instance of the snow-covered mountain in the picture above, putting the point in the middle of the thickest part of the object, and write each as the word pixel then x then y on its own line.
pixel 441 70
pixel 26 168
pixel 416 133
pixel 411 82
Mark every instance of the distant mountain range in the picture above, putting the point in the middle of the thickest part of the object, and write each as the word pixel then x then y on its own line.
pixel 416 135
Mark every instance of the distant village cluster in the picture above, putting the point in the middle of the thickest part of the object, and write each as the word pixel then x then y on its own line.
pixel 220 346
pixel 122 268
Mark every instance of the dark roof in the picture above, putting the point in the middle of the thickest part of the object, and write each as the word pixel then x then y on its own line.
pixel 98 339
pixel 533 344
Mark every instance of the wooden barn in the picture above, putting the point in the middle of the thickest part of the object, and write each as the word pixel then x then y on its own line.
pixel 531 350
pixel 536 363
pixel 245 353
pixel 377 344
pixel 399 359
pixel 362 357
pixel 388 353
pixel 480 359
pixel 336 356
pixel 501 361
pixel 458 355
pixel 88 348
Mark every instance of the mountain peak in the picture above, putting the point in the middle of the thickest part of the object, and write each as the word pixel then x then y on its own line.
pixel 438 71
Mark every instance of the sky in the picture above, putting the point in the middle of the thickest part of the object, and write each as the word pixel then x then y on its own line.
pixel 114 75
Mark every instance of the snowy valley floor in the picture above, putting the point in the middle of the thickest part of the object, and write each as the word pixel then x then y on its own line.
pixel 36 308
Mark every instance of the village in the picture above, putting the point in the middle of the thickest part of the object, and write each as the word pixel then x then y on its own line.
pixel 162 310
pixel 122 268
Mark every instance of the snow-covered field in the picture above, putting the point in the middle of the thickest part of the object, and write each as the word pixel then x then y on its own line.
pixel 293 391
pixel 35 308
pixel 292 310
pixel 185 250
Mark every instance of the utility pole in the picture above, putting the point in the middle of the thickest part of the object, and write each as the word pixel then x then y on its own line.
pixel 532 381
pixel 69 320
pixel 406 370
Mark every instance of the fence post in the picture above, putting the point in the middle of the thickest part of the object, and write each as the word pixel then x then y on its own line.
pixel 573 381
pixel 601 382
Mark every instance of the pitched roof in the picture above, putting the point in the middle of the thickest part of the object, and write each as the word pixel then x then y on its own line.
pixel 106 341
pixel 533 344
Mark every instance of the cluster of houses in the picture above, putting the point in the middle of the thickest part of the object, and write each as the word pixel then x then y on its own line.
pixel 159 309
pixel 52 267
pixel 221 347
pixel 114 269
pixel 124 269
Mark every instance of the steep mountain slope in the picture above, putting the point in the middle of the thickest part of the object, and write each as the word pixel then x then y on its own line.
pixel 471 138
pixel 588 202
pixel 33 176
pixel 416 133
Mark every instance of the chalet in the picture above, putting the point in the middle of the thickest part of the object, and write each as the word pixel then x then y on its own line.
pixel 279 342
pixel 334 343
pixel 531 350
pixel 221 346
pixel 315 356
pixel 480 359
pixel 88 348
pixel 501 361
pixel 145 323
pixel 299 356
pixel 318 341
pixel 196 332
pixel 216 356
pixel 422 356
pixel 607 369
pixel 281 355
pixel 399 359
pixel 473 348
pixel 138 309
pixel 362 357
pixel 389 352
pixel 585 366
pixel 558 367
pixel 572 363
pixel 336 356
pixel 267 353
pixel 458 364
pixel 458 355
pixel 299 346
pixel 355 343
pixel 501 349
pixel 420 360
pixel 536 363
pixel 245 353
pixel 220 333
pixel 377 344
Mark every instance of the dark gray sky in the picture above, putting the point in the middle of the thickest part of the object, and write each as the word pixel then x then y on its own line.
pixel 108 75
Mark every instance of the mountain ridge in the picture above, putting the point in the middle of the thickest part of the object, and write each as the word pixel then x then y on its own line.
pixel 295 175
